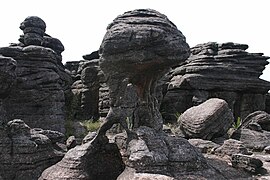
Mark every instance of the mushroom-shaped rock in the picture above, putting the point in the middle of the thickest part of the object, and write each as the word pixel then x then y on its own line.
pixel 138 48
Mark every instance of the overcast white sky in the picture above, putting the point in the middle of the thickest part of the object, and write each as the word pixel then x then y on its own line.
pixel 81 24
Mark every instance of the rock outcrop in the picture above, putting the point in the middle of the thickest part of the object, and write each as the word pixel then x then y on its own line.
pixel 38 97
pixel 138 48
pixel 211 119
pixel 87 162
pixel 260 117
pixel 225 71
pixel 26 152
pixel 157 154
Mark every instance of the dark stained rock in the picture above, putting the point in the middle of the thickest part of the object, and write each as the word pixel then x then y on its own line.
pixel 84 100
pixel 260 117
pixel 253 140
pixel 247 163
pixel 93 55
pixel 38 97
pixel 224 71
pixel 210 119
pixel 161 156
pixel 204 146
pixel 89 161
pixel 33 28
pixel 138 48
pixel 25 153
pixel 232 146
pixel 7 75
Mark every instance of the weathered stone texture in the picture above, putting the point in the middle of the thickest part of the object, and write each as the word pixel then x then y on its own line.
pixel 38 97
pixel 210 119
pixel 25 152
pixel 225 71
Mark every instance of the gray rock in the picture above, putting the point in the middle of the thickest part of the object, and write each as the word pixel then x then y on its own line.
pixel 253 140
pixel 226 71
pixel 139 47
pixel 204 146
pixel 25 153
pixel 89 137
pixel 232 146
pixel 267 149
pixel 87 162
pixel 85 91
pixel 162 156
pixel 248 163
pixel 38 96
pixel 260 117
pixel 71 142
pixel 210 119
pixel 7 75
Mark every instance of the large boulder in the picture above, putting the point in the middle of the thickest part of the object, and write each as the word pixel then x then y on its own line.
pixel 211 119
pixel 25 152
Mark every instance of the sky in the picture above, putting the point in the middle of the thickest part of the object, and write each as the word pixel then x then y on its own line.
pixel 81 24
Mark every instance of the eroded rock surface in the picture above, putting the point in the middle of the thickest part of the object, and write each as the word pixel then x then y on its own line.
pixel 138 48
pixel 162 156
pixel 38 97
pixel 26 152
pixel 210 119
pixel 226 71
pixel 89 161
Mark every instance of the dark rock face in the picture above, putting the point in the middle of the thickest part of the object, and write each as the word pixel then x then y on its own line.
pixel 156 155
pixel 254 140
pixel 87 162
pixel 7 75
pixel 260 117
pixel 210 119
pixel 25 152
pixel 138 48
pixel 86 91
pixel 224 71
pixel 38 97
pixel 248 163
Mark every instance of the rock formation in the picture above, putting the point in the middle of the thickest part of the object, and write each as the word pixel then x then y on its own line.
pixel 25 152
pixel 138 48
pixel 87 162
pixel 225 71
pixel 211 119
pixel 38 97
pixel 260 117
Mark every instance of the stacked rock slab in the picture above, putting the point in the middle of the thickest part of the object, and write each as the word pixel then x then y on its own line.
pixel 226 71
pixel 38 97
